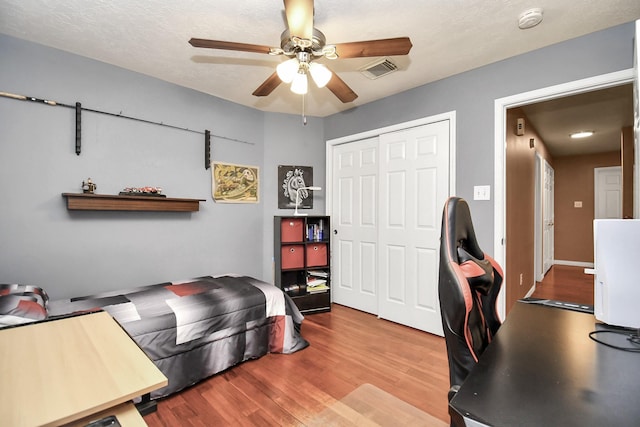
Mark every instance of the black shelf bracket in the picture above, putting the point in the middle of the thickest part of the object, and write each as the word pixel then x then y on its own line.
pixel 78 128
pixel 207 149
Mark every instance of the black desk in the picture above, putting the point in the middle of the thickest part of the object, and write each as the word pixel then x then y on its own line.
pixel 542 369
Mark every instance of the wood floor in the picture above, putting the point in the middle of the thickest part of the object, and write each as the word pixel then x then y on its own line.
pixel 348 348
pixel 566 283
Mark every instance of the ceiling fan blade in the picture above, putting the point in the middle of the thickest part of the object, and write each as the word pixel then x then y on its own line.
pixel 299 18
pixel 382 47
pixel 268 85
pixel 217 44
pixel 341 89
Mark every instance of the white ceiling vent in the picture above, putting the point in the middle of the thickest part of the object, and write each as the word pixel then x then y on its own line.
pixel 380 68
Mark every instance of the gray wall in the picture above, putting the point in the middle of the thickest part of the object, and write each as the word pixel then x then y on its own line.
pixel 288 142
pixel 472 95
pixel 76 253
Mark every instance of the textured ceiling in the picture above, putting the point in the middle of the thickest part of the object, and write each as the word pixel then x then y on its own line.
pixel 449 37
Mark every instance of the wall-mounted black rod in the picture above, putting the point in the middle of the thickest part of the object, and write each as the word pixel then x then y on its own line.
pixel 232 139
pixel 142 120
pixel 32 99
pixel 59 104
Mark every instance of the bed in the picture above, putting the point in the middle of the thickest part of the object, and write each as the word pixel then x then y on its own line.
pixel 190 329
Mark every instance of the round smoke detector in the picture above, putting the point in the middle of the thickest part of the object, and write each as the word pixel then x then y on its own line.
pixel 530 18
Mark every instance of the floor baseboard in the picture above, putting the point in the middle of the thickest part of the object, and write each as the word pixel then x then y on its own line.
pixel 573 263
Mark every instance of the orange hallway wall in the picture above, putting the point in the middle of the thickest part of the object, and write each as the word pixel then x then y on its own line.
pixel 520 202
pixel 574 181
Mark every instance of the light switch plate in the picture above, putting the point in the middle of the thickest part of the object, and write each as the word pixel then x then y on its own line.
pixel 482 192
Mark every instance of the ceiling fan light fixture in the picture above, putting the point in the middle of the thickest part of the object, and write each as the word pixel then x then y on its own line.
pixel 301 44
pixel 329 52
pixel 287 70
pixel 299 85
pixel 320 74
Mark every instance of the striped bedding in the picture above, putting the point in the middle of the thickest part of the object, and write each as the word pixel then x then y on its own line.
pixel 190 329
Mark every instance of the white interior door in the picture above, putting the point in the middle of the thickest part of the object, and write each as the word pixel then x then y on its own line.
pixel 608 192
pixel 414 185
pixel 355 225
pixel 548 220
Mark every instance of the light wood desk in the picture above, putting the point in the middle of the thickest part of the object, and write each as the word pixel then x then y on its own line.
pixel 63 370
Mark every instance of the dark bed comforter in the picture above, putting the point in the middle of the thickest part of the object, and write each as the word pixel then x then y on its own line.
pixel 195 328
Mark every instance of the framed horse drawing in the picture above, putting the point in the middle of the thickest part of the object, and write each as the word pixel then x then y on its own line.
pixel 291 178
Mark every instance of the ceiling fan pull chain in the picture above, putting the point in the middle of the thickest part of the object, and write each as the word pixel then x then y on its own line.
pixel 304 116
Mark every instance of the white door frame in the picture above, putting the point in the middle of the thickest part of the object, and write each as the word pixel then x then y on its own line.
pixel 548 216
pixel 451 116
pixel 500 124
pixel 537 221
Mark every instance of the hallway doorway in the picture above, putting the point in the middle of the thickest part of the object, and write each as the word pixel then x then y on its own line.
pixel 520 277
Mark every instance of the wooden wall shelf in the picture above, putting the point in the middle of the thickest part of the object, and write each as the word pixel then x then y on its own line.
pixel 104 202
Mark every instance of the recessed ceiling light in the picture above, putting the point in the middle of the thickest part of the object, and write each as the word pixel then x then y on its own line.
pixel 582 134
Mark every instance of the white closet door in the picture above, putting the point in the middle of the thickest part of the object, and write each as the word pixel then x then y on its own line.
pixel 414 185
pixel 388 192
pixel 355 223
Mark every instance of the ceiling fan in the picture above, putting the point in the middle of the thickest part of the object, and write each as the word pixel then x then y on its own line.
pixel 304 44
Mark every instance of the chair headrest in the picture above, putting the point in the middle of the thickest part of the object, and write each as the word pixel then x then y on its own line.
pixel 479 272
pixel 458 229
pixel 462 246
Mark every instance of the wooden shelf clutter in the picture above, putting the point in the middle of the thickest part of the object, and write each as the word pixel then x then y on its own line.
pixel 301 259
pixel 104 202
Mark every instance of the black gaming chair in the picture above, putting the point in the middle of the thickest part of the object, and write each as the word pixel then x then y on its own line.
pixel 468 284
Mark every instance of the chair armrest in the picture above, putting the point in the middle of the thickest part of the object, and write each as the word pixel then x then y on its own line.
pixel 456 419
pixel 452 391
